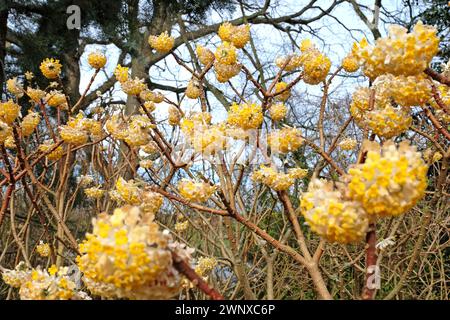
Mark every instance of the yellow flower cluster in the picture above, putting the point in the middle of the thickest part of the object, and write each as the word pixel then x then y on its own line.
pixel 237 35
pixel 285 140
pixel 43 249
pixel 391 180
pixel 193 89
pixel 226 54
pixel 150 148
pixel 14 87
pixel 348 144
pixel 133 87
pixel 205 56
pixel 350 63
pixel 117 127
pixel 152 96
pixel 128 191
pixel 174 116
pixel 10 143
pixel 388 122
pixel 330 215
pixel 56 99
pixel 315 64
pixel 121 73
pixel 225 72
pixel 205 265
pixel 135 131
pixel 94 192
pixel 38 284
pixel 383 119
pixel 162 43
pixel 406 91
pixel 277 180
pixel 75 136
pixel 56 154
pixel 16 277
pixel 77 130
pixel 5 131
pixel 204 137
pixel 245 115
pixel 295 62
pixel 96 60
pixel 444 93
pixel 277 111
pixel 50 68
pixel 400 53
pixel 35 94
pixel 9 111
pixel 127 256
pixel 195 191
pixel 281 87
pixel 181 226
pixel 194 122
pixel 29 123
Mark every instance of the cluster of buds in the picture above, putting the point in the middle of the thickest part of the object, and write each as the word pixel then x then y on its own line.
pixel 55 154
pixel 382 117
pixel 315 64
pixel 330 215
pixel 9 111
pixel 29 123
pixel 121 73
pixel 401 53
pixel 237 35
pixel 50 68
pixel 14 87
pixel 35 95
pixel 38 284
pixel 94 192
pixel 133 87
pixel 277 180
pixel 290 63
pixel 285 140
pixel 194 89
pixel 195 191
pixel 390 181
pixel 78 129
pixel 56 99
pixel 127 256
pixel 277 111
pixel 205 56
pixel 225 72
pixel 96 60
pixel 43 249
pixel 281 91
pixel 350 63
pixel 162 43
pixel 245 115
pixel 348 144
pixel 135 131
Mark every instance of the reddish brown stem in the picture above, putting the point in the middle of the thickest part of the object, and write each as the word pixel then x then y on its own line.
pixel 437 76
pixel 184 268
pixel 371 261
pixel 436 123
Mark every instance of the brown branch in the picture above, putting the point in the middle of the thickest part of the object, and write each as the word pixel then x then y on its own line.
pixel 437 76
pixel 184 268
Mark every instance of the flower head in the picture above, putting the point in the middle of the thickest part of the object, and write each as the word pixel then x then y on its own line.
pixel 96 60
pixel 330 215
pixel 162 43
pixel 50 68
